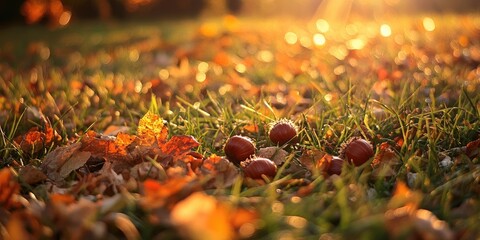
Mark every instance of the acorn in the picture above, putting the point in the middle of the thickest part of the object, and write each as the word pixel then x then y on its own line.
pixel 258 166
pixel 283 131
pixel 239 148
pixel 357 151
pixel 335 166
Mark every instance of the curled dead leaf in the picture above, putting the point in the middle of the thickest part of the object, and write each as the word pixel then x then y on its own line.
pixel 222 172
pixel 385 162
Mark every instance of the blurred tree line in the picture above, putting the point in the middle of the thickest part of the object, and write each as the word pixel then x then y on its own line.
pixel 55 11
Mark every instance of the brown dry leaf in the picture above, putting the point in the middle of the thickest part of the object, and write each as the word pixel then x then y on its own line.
pixel 151 127
pixel 276 154
pixel 222 171
pixel 31 175
pixel 73 163
pixel 310 159
pixel 202 217
pixel 9 189
pixel 473 149
pixel 57 158
pixel 385 162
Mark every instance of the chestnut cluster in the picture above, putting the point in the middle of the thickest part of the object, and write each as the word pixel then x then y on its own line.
pixel 355 151
pixel 241 150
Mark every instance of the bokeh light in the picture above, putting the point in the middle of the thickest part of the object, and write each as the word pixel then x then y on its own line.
pixel 385 30
pixel 428 24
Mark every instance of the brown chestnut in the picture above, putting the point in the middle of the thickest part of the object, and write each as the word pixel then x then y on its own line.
pixel 357 151
pixel 335 167
pixel 283 131
pixel 238 148
pixel 258 166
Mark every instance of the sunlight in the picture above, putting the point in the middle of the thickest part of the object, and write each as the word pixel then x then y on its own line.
pixel 332 11
pixel 385 30
pixel 428 24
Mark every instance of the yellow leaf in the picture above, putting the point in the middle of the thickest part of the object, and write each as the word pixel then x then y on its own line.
pixel 151 127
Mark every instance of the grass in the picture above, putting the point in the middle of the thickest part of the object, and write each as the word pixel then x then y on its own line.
pixel 216 79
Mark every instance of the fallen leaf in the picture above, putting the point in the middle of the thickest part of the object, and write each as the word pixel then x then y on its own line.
pixel 31 175
pixel 222 172
pixel 385 162
pixel 310 159
pixel 34 140
pixel 202 217
pixel 9 189
pixel 178 146
pixel 473 149
pixel 276 154
pixel 151 127
pixel 403 196
pixel 73 163
pixel 56 159
pixel 23 225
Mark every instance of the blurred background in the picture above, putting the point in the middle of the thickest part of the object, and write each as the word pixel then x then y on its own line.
pixel 62 12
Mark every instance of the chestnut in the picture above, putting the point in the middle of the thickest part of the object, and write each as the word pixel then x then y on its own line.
pixel 357 151
pixel 283 131
pixel 335 166
pixel 258 166
pixel 239 148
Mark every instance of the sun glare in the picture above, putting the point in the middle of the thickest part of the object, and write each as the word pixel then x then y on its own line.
pixel 385 30
pixel 428 24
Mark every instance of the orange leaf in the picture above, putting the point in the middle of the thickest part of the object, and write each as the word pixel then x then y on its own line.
pixel 253 128
pixel 473 148
pixel 179 145
pixel 202 217
pixel 32 141
pixel 385 162
pixel 35 140
pixel 9 189
pixel 57 198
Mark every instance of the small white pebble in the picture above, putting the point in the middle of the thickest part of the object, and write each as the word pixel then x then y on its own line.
pixel 446 162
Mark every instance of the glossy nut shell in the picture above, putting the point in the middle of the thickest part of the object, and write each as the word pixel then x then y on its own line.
pixel 256 167
pixel 239 148
pixel 282 132
pixel 358 151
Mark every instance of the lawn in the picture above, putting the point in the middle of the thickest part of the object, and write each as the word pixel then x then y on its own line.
pixel 118 129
